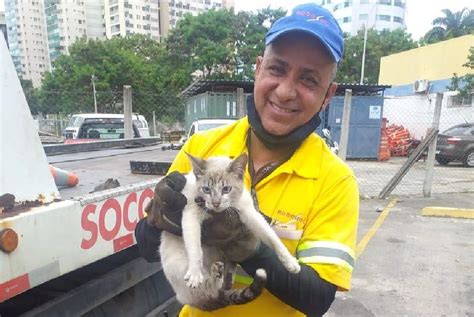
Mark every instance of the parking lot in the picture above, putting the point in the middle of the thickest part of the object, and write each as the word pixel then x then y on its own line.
pixel 412 265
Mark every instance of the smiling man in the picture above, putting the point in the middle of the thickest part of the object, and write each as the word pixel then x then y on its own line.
pixel 307 194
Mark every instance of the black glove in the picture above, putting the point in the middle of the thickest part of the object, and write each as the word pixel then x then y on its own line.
pixel 305 291
pixel 165 209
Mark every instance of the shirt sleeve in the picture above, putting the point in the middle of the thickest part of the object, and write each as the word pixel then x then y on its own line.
pixel 329 238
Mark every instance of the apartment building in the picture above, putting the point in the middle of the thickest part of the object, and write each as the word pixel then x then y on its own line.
pixel 171 11
pixel 3 26
pixel 354 15
pixel 123 18
pixel 27 37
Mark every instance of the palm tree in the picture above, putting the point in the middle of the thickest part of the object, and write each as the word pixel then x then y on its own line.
pixel 452 24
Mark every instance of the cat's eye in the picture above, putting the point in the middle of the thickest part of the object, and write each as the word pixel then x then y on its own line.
pixel 206 190
pixel 226 189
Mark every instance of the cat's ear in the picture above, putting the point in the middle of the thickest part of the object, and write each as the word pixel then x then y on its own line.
pixel 199 165
pixel 238 165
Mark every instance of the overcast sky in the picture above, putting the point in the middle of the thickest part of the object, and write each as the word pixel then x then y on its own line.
pixel 419 16
pixel 420 13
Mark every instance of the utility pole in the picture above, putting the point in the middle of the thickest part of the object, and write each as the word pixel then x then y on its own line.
pixel 363 56
pixel 93 88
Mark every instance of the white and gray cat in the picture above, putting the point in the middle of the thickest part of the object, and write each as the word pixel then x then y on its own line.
pixel 195 264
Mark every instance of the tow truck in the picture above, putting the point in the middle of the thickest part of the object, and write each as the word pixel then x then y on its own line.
pixel 69 252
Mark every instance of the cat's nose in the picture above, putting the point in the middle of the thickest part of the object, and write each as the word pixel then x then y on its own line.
pixel 215 204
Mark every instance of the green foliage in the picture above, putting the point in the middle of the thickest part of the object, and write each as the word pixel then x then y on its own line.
pixel 378 44
pixel 464 84
pixel 31 95
pixel 451 25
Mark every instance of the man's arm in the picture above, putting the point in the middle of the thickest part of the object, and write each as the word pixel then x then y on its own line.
pixel 304 291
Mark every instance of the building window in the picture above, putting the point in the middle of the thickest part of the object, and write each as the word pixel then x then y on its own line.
pixel 384 2
pixel 363 17
pixel 346 19
pixel 398 3
pixel 398 20
pixel 364 1
pixel 382 17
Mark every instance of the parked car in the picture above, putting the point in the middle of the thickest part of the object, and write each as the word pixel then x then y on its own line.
pixel 77 120
pixel 99 129
pixel 456 144
pixel 206 124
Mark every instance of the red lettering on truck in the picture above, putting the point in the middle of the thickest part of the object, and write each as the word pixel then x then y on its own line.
pixel 98 228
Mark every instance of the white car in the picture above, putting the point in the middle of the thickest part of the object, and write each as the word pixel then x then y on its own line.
pixel 77 120
pixel 202 125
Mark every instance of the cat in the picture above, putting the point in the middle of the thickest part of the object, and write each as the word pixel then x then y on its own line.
pixel 200 273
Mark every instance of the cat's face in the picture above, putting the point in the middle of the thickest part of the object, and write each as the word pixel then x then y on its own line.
pixel 219 181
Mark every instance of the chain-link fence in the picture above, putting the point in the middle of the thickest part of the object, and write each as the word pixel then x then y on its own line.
pixel 406 123
pixel 163 112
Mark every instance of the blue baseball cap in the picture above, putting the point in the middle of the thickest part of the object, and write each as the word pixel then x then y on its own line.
pixel 314 20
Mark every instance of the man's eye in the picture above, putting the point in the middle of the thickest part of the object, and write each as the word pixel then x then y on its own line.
pixel 277 70
pixel 206 190
pixel 310 81
pixel 226 189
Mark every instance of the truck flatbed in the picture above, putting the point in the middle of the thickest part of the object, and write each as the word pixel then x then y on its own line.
pixel 95 167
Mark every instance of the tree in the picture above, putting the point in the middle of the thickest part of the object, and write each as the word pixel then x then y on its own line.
pixel 378 44
pixel 464 84
pixel 451 25
pixel 31 95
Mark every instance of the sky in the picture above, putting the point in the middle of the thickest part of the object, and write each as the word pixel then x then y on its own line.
pixel 420 13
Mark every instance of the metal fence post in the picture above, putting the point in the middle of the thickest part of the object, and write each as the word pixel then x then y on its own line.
pixel 346 117
pixel 432 149
pixel 127 111
pixel 154 123
pixel 241 109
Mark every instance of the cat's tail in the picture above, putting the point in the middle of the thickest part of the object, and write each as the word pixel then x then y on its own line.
pixel 239 296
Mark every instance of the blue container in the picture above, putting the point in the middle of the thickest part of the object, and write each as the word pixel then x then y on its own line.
pixel 364 126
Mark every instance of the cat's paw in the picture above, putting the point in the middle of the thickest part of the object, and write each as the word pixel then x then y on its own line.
pixel 217 270
pixel 291 264
pixel 194 278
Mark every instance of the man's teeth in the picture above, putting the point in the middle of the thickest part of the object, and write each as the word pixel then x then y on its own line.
pixel 280 108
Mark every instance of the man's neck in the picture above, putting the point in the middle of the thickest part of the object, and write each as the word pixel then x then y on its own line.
pixel 261 155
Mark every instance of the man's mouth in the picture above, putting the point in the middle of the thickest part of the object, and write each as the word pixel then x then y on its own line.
pixel 280 109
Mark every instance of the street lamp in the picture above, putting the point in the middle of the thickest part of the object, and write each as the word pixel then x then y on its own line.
pixel 93 78
pixel 363 56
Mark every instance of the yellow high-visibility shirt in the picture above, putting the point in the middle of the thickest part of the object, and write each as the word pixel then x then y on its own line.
pixel 313 200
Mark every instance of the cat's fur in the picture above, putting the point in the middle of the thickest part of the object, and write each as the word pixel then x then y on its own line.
pixel 200 273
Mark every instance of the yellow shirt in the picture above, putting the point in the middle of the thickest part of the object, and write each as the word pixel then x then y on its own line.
pixel 313 200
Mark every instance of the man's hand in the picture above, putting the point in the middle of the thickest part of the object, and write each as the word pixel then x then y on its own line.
pixel 166 209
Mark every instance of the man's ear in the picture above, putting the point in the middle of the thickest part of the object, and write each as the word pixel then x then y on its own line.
pixel 329 94
pixel 258 65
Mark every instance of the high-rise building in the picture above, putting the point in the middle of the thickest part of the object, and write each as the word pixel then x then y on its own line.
pixel 123 18
pixel 171 11
pixel 354 15
pixel 28 38
pixel 67 21
pixel 3 26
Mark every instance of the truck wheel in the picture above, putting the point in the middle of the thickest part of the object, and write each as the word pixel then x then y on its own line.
pixel 442 161
pixel 468 159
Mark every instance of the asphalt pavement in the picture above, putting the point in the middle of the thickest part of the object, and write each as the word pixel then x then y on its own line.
pixel 412 265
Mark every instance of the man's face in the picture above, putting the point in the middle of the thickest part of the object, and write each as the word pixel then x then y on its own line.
pixel 293 81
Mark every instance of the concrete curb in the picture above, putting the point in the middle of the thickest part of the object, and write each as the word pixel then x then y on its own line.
pixel 448 212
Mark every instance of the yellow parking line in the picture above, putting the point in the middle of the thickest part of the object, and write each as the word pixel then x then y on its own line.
pixel 365 240
pixel 448 212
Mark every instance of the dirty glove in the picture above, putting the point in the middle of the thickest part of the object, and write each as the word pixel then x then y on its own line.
pixel 164 211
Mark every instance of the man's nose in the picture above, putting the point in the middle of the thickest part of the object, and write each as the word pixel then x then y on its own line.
pixel 286 89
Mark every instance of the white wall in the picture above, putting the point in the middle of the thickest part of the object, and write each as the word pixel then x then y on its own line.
pixel 416 113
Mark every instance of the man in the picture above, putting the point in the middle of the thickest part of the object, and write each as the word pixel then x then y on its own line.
pixel 307 194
